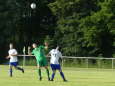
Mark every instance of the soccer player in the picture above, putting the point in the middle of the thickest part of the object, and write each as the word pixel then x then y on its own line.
pixel 54 63
pixel 39 52
pixel 13 60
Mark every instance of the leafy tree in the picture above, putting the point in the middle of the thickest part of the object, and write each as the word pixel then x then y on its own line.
pixel 22 25
pixel 86 27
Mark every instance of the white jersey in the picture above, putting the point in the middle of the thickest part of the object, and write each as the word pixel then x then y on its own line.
pixel 13 58
pixel 55 55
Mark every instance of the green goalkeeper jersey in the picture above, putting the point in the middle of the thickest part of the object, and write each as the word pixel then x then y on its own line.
pixel 39 53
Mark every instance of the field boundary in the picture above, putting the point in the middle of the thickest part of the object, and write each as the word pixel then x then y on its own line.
pixel 70 57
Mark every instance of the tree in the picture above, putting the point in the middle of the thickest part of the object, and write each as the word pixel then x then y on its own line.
pixel 22 25
pixel 85 26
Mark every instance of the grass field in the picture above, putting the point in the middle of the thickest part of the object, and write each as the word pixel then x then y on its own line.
pixel 75 76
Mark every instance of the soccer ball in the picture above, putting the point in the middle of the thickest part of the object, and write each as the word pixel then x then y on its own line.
pixel 33 5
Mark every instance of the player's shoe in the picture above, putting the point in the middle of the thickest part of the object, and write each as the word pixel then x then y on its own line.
pixel 49 79
pixel 22 70
pixel 65 80
pixel 40 78
pixel 10 75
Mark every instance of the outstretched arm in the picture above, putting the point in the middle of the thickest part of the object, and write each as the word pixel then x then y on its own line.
pixel 13 54
pixel 7 57
pixel 48 55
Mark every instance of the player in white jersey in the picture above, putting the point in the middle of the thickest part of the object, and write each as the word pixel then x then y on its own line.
pixel 54 63
pixel 13 60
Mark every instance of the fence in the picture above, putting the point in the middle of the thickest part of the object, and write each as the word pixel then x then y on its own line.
pixel 91 58
pixel 81 58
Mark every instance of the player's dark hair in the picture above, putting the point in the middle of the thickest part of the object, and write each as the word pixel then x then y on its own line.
pixel 11 43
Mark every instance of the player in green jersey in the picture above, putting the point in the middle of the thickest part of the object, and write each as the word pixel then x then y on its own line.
pixel 39 52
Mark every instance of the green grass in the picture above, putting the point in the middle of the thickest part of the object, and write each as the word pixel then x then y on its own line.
pixel 75 76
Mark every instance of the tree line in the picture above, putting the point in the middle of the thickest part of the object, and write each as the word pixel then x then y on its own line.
pixel 80 27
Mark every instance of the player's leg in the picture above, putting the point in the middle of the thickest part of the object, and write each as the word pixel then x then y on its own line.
pixel 61 73
pixel 10 70
pixel 17 67
pixel 53 70
pixel 47 71
pixel 39 70
pixel 45 65
pixel 53 75
pixel 39 73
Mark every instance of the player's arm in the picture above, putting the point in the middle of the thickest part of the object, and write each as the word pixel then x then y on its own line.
pixel 49 54
pixel 13 54
pixel 29 50
pixel 7 57
pixel 60 55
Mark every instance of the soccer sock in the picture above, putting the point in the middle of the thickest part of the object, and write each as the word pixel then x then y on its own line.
pixel 10 72
pixel 62 75
pixel 47 71
pixel 18 68
pixel 39 73
pixel 53 74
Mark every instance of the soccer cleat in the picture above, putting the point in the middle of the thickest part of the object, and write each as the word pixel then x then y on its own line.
pixel 22 70
pixel 10 75
pixel 48 79
pixel 65 80
pixel 40 78
pixel 51 80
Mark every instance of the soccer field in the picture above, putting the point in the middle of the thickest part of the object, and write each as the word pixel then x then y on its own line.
pixel 75 77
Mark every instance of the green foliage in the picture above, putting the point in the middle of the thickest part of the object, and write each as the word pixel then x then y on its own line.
pixel 22 25
pixel 86 26
pixel 81 27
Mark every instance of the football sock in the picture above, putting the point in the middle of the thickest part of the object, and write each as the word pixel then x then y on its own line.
pixel 62 75
pixel 21 69
pixel 39 73
pixel 18 68
pixel 48 74
pixel 53 74
pixel 10 72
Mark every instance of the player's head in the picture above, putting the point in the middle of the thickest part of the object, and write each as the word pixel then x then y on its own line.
pixel 34 45
pixel 11 45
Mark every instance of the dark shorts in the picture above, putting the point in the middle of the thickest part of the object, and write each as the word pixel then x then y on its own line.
pixel 13 64
pixel 55 66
